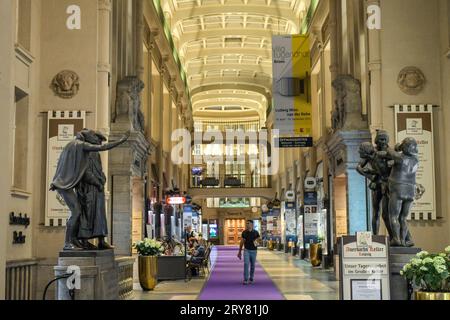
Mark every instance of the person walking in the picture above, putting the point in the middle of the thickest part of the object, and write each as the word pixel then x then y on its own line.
pixel 249 242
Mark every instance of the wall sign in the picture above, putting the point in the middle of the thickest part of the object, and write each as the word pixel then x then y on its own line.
pixel 175 200
pixel 364 268
pixel 62 127
pixel 310 198
pixel 310 183
pixel 416 121
pixel 19 220
pixel 290 196
pixel 18 237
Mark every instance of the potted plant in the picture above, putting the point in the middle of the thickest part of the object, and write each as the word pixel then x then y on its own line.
pixel 148 250
pixel 315 253
pixel 430 272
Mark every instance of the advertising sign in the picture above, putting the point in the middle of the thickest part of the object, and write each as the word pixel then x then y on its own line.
pixel 62 127
pixel 416 121
pixel 175 200
pixel 310 198
pixel 187 216
pixel 213 229
pixel 364 268
pixel 273 224
pixel 291 78
pixel 311 226
pixel 290 223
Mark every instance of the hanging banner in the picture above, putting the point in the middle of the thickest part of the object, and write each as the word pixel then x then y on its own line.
pixel 62 127
pixel 416 121
pixel 291 88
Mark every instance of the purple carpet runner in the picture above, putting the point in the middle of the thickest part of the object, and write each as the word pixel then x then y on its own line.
pixel 225 281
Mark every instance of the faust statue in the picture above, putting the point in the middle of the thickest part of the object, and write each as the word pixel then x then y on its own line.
pixel 79 179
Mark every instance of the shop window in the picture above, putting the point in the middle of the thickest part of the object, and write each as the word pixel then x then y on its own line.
pixel 20 143
pixel 23 31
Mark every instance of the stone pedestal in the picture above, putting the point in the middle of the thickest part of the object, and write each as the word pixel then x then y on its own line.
pixel 398 257
pixel 99 276
pixel 342 148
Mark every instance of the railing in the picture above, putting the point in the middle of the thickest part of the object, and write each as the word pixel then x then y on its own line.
pixel 227 125
pixel 230 181
pixel 20 280
pixel 124 267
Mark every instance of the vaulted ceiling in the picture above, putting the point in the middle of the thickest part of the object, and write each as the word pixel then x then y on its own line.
pixel 225 47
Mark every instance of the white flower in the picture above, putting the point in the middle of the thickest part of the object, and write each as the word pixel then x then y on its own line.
pixel 422 254
pixel 424 268
pixel 440 268
pixel 416 262
pixel 401 272
pixel 427 260
pixel 438 260
pixel 447 249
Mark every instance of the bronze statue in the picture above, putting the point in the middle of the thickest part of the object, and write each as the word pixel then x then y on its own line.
pixel 377 170
pixel 77 173
pixel 378 164
pixel 91 195
pixel 402 189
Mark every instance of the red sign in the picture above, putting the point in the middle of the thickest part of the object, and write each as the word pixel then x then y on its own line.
pixel 176 200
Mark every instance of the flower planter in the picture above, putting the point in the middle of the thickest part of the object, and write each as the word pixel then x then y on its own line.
pixel 420 295
pixel 315 254
pixel 148 271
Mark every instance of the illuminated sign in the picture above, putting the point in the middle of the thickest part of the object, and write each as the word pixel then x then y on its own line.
pixel 176 200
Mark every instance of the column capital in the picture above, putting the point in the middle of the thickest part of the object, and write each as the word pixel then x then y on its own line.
pixel 104 5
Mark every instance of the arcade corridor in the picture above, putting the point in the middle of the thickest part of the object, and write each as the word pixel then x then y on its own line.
pixel 278 276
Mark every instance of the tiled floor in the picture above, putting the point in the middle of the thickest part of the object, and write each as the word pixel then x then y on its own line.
pixel 295 279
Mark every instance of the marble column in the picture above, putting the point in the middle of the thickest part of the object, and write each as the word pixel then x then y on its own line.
pixel 139 39
pixel 160 154
pixel 103 90
pixel 374 52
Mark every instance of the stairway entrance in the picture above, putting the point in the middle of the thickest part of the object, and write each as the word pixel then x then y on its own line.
pixel 233 231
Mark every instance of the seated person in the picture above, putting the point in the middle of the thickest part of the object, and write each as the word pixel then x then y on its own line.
pixel 192 244
pixel 197 254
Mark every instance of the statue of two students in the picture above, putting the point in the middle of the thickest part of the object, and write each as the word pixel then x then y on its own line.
pixel 80 181
pixel 392 176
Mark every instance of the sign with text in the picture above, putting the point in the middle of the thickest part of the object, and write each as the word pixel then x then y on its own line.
pixel 291 85
pixel 62 127
pixel 310 198
pixel 294 142
pixel 364 268
pixel 175 200
pixel 416 121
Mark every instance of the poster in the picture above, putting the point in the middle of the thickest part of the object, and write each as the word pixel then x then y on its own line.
pixel 366 290
pixel 62 127
pixel 311 225
pixel 416 121
pixel 291 85
pixel 364 270
pixel 187 216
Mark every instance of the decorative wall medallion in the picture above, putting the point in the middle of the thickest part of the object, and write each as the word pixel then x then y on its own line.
pixel 66 84
pixel 411 80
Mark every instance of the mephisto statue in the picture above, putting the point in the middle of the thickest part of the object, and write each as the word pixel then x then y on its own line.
pixel 80 180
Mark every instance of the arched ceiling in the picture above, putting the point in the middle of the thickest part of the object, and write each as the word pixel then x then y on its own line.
pixel 225 47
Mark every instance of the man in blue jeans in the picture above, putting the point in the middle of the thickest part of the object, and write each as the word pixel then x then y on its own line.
pixel 248 241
